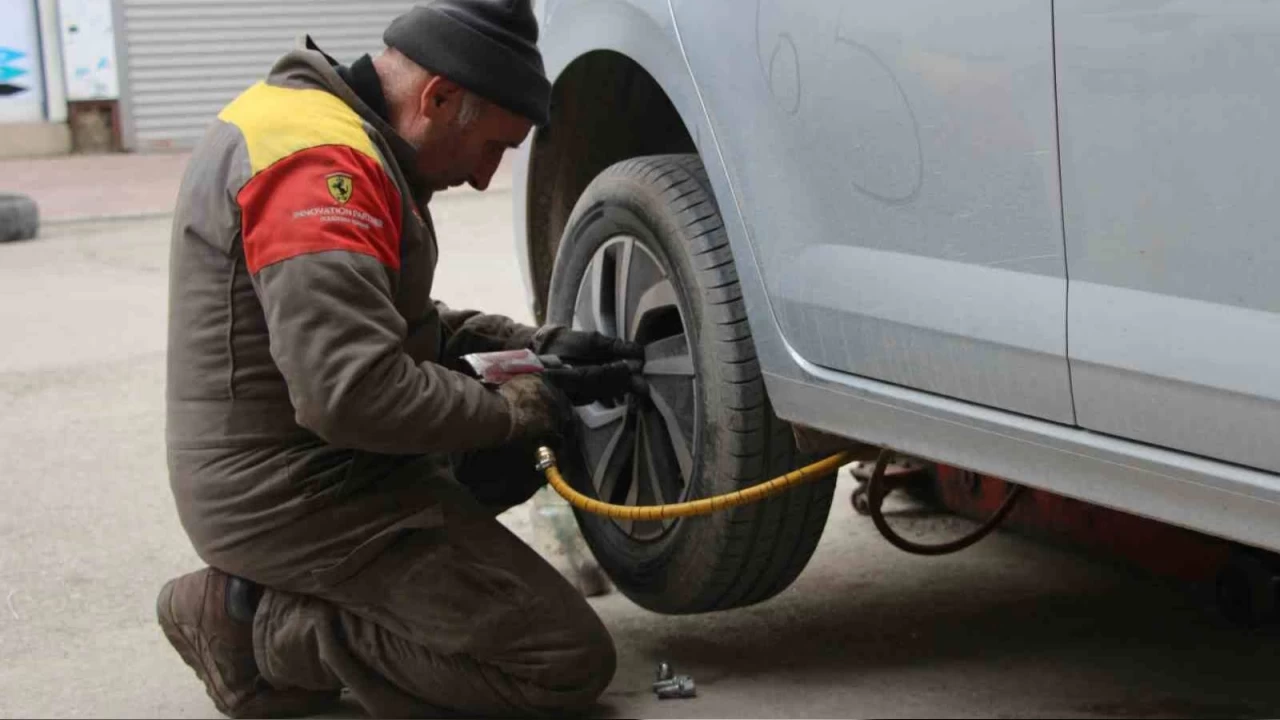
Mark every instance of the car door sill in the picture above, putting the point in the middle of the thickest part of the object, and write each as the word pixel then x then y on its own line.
pixel 1218 498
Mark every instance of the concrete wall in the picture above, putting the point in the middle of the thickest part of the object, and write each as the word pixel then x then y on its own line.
pixel 34 139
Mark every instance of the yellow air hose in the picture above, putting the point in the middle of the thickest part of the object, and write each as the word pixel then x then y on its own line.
pixel 705 506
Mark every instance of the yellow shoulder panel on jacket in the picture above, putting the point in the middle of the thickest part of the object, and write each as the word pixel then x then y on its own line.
pixel 277 122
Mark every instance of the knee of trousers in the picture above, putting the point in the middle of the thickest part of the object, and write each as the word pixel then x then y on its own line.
pixel 579 672
pixel 292 634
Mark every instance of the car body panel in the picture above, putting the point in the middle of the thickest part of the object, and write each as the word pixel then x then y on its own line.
pixel 896 164
pixel 645 32
pixel 638 29
pixel 1205 495
pixel 1202 494
pixel 1170 197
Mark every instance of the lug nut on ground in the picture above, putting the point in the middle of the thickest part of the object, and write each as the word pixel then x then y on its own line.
pixel 670 686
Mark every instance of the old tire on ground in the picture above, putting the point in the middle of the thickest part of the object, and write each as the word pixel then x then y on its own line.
pixel 645 255
pixel 19 218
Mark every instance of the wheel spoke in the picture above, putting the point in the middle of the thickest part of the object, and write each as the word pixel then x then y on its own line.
pixel 615 441
pixel 646 488
pixel 656 479
pixel 625 252
pixel 644 480
pixel 586 310
pixel 594 417
pixel 632 497
pixel 660 296
pixel 681 442
pixel 599 300
pixel 669 356
pixel 666 478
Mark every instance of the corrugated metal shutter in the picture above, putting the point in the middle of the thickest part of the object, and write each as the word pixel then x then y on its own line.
pixel 188 58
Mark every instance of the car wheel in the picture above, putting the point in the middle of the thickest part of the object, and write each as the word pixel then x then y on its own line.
pixel 645 256
pixel 19 218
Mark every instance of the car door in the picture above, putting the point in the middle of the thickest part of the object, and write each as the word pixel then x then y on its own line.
pixel 895 166
pixel 1171 180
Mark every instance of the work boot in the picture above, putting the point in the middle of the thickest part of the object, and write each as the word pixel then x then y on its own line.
pixel 208 618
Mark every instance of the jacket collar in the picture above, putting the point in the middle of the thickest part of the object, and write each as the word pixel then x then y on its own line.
pixel 324 71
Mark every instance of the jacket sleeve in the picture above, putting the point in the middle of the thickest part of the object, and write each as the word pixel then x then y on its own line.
pixel 324 261
pixel 470 331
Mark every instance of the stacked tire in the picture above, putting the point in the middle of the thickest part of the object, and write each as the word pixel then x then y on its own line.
pixel 19 218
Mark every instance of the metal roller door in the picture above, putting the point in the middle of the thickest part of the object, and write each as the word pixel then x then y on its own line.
pixel 185 59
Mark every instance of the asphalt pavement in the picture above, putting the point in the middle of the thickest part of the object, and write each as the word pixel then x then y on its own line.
pixel 88 534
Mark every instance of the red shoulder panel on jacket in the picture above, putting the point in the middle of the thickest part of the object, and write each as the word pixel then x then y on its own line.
pixel 329 197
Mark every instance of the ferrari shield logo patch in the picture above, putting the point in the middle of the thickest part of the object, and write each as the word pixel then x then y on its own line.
pixel 339 187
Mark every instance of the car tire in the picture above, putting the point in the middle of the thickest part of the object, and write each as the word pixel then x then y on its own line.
pixel 658 218
pixel 19 218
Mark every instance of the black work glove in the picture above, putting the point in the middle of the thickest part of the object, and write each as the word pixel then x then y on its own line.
pixel 592 383
pixel 465 341
pixel 577 347
pixel 539 412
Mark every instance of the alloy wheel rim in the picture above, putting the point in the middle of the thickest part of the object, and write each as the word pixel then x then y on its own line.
pixel 642 451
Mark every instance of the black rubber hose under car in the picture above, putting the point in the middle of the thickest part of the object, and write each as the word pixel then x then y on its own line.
pixel 877 490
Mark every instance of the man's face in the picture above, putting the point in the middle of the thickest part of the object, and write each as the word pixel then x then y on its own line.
pixel 454 149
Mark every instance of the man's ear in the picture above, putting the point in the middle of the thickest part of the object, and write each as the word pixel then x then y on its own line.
pixel 441 99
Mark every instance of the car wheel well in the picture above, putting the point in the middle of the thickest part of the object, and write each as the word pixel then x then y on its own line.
pixel 604 108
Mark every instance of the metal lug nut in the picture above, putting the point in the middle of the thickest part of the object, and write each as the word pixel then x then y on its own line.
pixel 681 686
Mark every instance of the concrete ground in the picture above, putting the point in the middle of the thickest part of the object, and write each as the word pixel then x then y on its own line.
pixel 88 535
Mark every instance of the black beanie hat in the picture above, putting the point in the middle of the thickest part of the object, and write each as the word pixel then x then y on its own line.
pixel 487 46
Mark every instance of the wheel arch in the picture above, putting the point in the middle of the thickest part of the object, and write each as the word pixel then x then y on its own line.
pixel 620 89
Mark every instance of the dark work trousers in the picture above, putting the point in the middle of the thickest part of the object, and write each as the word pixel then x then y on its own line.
pixel 444 612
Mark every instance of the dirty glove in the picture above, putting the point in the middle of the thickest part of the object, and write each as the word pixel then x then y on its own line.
pixel 592 383
pixel 580 347
pixel 539 412
pixel 467 332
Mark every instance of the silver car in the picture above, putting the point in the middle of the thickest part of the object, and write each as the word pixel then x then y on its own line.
pixel 1027 238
